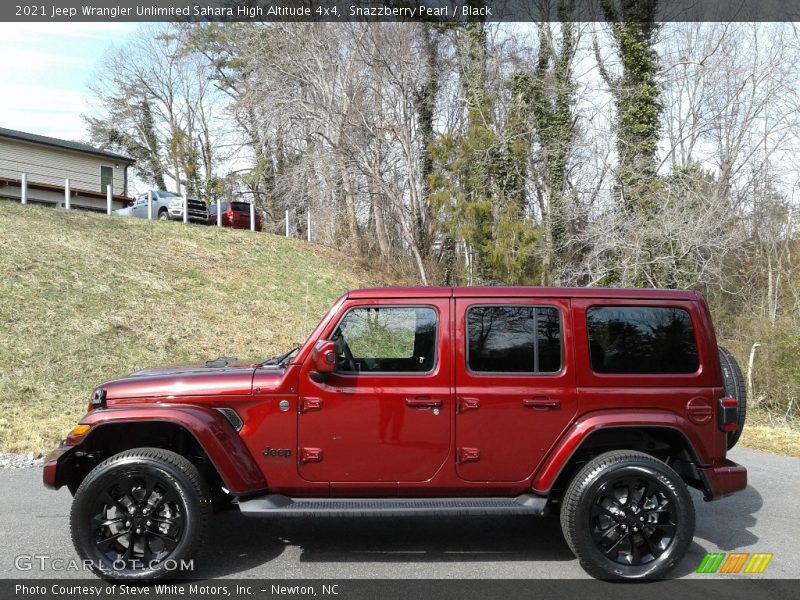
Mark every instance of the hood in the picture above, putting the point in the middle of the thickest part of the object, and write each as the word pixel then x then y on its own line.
pixel 187 380
pixel 192 368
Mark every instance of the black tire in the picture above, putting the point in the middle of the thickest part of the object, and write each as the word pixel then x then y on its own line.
pixel 733 382
pixel 638 535
pixel 163 216
pixel 166 506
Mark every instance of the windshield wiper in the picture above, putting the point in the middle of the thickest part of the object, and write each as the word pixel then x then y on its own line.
pixel 278 360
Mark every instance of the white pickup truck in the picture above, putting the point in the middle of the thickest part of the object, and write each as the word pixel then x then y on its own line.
pixel 165 206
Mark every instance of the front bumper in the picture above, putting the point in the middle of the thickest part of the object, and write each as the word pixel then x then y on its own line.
pixel 176 214
pixel 50 472
pixel 723 479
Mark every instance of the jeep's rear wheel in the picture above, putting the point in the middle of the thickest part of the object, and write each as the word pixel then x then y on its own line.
pixel 139 515
pixel 627 515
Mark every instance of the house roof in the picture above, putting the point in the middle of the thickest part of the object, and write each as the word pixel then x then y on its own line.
pixel 64 144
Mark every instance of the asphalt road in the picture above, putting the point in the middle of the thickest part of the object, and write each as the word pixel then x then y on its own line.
pixel 763 518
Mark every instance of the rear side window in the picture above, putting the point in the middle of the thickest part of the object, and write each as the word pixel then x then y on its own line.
pixel 513 339
pixel 641 340
pixel 386 340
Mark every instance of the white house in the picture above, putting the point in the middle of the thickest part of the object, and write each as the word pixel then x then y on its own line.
pixel 48 162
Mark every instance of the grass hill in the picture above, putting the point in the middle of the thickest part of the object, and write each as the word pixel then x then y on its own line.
pixel 85 298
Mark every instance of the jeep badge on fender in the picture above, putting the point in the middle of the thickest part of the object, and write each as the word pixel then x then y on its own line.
pixel 601 405
pixel 284 452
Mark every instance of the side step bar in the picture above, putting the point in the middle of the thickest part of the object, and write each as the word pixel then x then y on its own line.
pixel 283 506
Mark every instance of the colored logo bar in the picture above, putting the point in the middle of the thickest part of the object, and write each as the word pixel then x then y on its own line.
pixel 735 562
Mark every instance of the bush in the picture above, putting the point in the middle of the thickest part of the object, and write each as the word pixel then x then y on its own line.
pixel 776 367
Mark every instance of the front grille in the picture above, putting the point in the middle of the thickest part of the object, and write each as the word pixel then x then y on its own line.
pixel 197 210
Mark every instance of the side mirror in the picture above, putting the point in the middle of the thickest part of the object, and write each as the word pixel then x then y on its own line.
pixel 324 357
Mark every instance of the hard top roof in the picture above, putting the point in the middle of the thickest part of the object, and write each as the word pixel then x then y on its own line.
pixel 520 292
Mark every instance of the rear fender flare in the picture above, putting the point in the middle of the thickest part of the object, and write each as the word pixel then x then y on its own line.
pixel 560 455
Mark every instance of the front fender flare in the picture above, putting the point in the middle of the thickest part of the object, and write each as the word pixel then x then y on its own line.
pixel 213 433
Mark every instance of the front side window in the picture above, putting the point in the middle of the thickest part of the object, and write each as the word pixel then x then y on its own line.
pixel 513 339
pixel 386 339
pixel 641 340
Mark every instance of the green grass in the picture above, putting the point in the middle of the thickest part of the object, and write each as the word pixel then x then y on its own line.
pixel 761 432
pixel 85 298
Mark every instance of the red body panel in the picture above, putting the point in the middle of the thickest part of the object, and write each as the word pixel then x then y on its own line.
pixel 184 382
pixel 511 436
pixel 368 434
pixel 368 426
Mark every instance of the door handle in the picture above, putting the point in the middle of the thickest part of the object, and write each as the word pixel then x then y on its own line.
pixel 541 402
pixel 423 402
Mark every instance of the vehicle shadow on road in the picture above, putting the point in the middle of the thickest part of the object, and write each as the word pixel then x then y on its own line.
pixel 237 543
pixel 721 526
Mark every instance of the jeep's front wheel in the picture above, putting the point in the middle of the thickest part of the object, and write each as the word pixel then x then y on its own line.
pixel 627 515
pixel 140 515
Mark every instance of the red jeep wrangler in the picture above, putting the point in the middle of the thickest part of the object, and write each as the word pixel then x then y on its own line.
pixel 601 404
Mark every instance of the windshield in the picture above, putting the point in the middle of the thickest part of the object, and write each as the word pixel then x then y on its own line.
pixel 279 360
pixel 283 357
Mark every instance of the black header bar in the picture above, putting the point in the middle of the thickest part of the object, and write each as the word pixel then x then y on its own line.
pixel 445 11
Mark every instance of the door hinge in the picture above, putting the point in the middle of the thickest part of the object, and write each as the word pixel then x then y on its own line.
pixel 310 404
pixel 467 455
pixel 465 404
pixel 310 455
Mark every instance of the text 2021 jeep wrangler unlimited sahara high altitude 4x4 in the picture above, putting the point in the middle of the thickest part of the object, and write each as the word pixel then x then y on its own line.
pixel 603 404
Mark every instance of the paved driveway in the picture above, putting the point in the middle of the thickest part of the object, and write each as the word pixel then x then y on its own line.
pixel 763 518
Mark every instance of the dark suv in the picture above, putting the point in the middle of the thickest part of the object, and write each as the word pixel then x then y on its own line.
pixel 603 405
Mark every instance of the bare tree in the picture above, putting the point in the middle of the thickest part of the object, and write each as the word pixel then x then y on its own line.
pixel 155 102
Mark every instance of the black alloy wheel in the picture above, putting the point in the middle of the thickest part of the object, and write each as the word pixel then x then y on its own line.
pixel 140 515
pixel 633 520
pixel 138 520
pixel 627 515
